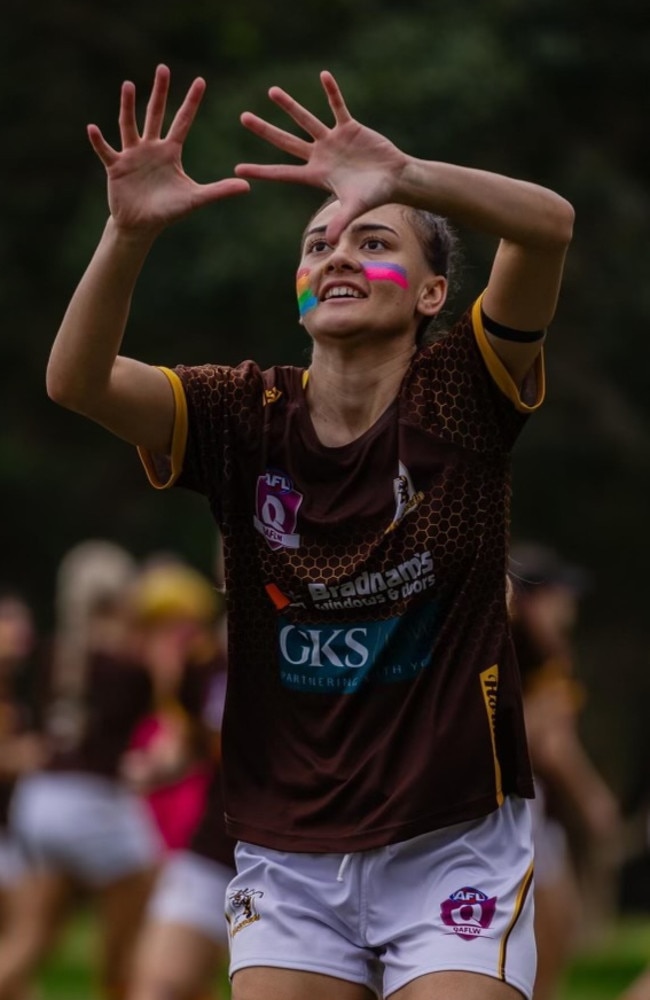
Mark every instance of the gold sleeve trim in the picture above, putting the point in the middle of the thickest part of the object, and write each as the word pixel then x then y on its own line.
pixel 490 688
pixel 179 438
pixel 500 373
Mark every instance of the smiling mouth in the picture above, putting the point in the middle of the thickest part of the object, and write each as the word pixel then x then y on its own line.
pixel 342 292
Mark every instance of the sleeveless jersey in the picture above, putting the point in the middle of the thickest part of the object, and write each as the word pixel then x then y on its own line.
pixel 373 693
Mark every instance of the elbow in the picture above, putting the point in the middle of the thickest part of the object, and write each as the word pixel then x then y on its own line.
pixel 61 390
pixel 564 222
pixel 56 388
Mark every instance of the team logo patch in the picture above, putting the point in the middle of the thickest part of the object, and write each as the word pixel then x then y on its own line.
pixel 468 912
pixel 276 509
pixel 241 909
pixel 406 496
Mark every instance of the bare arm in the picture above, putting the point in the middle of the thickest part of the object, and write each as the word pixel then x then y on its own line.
pixel 85 372
pixel 364 169
pixel 558 755
pixel 147 190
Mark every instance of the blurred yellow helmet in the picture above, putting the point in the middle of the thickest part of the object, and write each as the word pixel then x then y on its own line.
pixel 174 590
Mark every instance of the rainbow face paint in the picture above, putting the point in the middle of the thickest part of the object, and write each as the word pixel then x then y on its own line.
pixel 379 271
pixel 306 298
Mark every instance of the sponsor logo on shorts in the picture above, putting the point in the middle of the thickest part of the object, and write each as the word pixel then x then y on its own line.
pixel 276 509
pixel 468 912
pixel 330 659
pixel 241 910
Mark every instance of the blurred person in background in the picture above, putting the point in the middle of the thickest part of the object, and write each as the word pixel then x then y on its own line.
pixel 575 813
pixel 78 825
pixel 175 612
pixel 184 940
pixel 183 948
pixel 22 748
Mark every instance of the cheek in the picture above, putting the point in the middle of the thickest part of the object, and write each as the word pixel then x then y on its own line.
pixel 394 273
pixel 306 298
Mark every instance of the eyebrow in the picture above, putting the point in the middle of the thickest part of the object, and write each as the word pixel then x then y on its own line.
pixel 360 227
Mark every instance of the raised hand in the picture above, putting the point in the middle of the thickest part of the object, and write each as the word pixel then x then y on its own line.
pixel 360 166
pixel 147 186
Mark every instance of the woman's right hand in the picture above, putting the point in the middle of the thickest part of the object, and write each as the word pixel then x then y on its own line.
pixel 147 185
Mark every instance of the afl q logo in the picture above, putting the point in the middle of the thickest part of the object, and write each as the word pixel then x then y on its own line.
pixel 468 912
pixel 276 509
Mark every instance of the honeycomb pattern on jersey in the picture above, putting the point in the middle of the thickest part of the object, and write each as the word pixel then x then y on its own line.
pixel 455 428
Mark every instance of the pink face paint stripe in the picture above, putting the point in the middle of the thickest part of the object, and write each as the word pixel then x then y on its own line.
pixel 386 272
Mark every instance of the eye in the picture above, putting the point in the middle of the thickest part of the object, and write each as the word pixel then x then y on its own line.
pixel 374 243
pixel 318 245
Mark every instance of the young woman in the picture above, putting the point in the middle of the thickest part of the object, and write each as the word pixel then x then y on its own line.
pixel 375 764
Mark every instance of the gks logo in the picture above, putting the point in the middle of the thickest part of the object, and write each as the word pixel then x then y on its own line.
pixel 276 509
pixel 331 658
pixel 468 912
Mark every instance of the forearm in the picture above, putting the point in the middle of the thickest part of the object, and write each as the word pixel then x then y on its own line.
pixel 570 771
pixel 84 352
pixel 513 210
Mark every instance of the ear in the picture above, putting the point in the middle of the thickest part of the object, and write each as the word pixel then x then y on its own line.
pixel 433 295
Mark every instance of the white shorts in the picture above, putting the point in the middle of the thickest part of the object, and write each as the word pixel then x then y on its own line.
pixel 12 863
pixel 456 899
pixel 87 826
pixel 191 890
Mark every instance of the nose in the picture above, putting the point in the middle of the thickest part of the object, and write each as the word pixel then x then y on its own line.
pixel 341 259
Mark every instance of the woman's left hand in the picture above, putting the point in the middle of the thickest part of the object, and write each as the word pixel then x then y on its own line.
pixel 361 167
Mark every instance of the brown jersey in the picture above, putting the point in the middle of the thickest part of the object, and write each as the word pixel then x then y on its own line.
pixel 373 693
pixel 117 694
pixel 209 838
pixel 16 719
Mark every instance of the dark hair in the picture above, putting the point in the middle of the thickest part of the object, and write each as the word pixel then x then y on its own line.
pixel 442 252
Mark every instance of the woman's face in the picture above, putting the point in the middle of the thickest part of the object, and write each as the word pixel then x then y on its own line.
pixel 375 281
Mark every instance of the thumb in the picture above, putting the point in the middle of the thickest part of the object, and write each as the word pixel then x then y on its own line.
pixel 207 193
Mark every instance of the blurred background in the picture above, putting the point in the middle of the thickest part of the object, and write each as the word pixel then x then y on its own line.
pixel 555 91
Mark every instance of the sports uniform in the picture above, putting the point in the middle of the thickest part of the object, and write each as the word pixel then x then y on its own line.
pixel 15 720
pixel 76 815
pixel 191 888
pixel 373 692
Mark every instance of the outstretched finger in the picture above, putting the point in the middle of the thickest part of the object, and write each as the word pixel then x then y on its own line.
pixel 106 153
pixel 157 104
pixel 335 98
pixel 184 117
pixel 128 125
pixel 285 141
pixel 276 172
pixel 301 116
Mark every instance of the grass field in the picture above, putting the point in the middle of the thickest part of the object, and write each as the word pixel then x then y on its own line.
pixel 599 973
